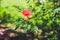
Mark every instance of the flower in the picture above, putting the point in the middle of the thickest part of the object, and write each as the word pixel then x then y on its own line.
pixel 26 13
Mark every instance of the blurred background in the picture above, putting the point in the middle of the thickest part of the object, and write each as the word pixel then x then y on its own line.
pixel 40 17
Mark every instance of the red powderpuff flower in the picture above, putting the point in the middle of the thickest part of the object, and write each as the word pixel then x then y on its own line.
pixel 26 13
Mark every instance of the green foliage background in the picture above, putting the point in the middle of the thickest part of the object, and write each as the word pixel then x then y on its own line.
pixel 45 16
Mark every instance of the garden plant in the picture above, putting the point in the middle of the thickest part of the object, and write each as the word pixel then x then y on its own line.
pixel 38 18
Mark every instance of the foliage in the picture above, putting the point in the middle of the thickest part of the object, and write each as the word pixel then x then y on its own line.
pixel 44 15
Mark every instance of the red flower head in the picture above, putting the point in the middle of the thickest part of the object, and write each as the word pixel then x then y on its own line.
pixel 26 13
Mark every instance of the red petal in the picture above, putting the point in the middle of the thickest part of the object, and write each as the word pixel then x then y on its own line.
pixel 26 12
